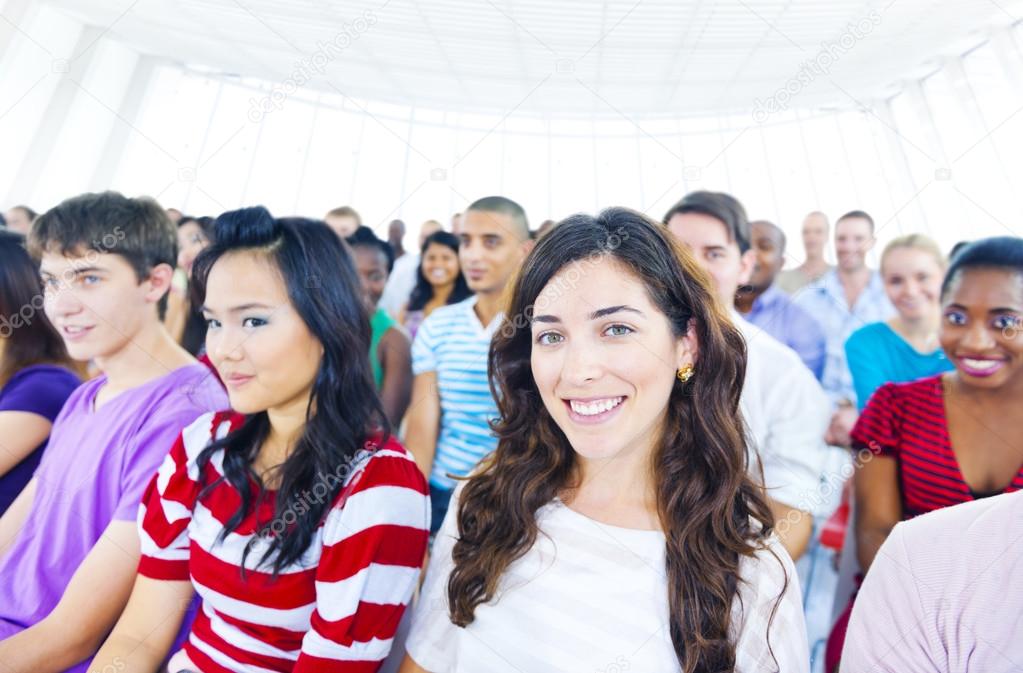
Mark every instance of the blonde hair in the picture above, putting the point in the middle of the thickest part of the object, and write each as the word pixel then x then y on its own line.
pixel 917 242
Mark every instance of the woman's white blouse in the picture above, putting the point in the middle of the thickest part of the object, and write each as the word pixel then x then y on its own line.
pixel 592 598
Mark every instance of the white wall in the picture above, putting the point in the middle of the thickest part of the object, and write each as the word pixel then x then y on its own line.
pixel 940 157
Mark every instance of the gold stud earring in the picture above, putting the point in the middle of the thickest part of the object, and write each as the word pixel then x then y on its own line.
pixel 685 373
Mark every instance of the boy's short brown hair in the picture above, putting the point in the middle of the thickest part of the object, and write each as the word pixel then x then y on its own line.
pixel 137 229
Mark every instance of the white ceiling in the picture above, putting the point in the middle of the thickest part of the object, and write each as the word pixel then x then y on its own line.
pixel 563 58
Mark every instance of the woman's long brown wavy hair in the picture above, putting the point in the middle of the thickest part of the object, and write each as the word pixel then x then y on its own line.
pixel 712 513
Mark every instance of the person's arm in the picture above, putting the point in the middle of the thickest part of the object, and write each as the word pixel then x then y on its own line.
pixel 91 604
pixel 395 353
pixel 423 421
pixel 771 628
pixel 408 665
pixel 433 640
pixel 878 506
pixel 15 516
pixel 793 526
pixel 22 432
pixel 891 629
pixel 144 634
pixel 793 451
pixel 373 547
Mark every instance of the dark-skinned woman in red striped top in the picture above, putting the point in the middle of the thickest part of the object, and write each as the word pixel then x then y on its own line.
pixel 958 436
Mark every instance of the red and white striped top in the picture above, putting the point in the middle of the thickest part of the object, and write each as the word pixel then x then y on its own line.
pixel 336 609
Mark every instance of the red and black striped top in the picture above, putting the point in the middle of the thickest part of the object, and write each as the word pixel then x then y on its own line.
pixel 907 421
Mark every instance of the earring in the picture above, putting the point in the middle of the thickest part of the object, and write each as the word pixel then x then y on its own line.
pixel 685 373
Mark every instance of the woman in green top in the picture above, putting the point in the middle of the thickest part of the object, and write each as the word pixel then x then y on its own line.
pixel 390 351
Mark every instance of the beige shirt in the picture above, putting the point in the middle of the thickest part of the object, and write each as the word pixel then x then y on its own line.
pixel 793 280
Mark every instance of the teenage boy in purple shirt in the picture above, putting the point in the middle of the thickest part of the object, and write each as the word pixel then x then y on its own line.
pixel 68 544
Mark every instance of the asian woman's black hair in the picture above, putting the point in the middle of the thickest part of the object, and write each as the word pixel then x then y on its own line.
pixel 343 408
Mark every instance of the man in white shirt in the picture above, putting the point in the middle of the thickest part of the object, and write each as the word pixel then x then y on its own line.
pixel 842 301
pixel 784 407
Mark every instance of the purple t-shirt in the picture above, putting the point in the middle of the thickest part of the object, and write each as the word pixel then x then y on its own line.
pixel 95 471
pixel 41 390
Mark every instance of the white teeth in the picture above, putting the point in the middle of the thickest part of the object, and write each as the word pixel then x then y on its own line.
pixel 594 408
pixel 980 364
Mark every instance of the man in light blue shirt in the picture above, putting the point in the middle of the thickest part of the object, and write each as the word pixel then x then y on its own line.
pixel 448 428
pixel 765 305
pixel 843 300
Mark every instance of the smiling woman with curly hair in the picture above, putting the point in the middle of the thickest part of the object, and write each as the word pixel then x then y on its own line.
pixel 616 524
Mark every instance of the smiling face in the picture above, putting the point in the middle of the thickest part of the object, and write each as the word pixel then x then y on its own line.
pixel 604 359
pixel 261 347
pixel 912 280
pixel 96 301
pixel 979 332
pixel 490 251
pixel 708 239
pixel 853 238
pixel 440 265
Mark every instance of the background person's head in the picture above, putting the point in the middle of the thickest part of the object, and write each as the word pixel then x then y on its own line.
pixel 982 309
pixel 194 234
pixel 174 215
pixel 106 261
pixel 854 237
pixel 456 224
pixel 429 227
pixel 438 269
pixel 374 260
pixel 20 218
pixel 769 245
pixel 26 334
pixel 611 306
pixel 395 233
pixel 714 226
pixel 290 338
pixel 344 221
pixel 912 268
pixel 493 241
pixel 815 234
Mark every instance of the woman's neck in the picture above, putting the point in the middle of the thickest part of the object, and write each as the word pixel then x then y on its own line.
pixel 921 333
pixel 488 306
pixel 441 294
pixel 619 490
pixel 286 425
pixel 149 354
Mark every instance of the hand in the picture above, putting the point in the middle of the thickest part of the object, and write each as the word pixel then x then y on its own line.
pixel 841 425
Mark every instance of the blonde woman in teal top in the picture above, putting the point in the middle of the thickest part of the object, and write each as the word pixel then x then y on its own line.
pixel 390 351
pixel 904 348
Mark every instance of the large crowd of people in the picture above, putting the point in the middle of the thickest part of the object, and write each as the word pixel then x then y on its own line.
pixel 257 443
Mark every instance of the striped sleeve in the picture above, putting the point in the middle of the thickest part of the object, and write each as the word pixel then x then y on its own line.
pixel 373 549
pixel 167 505
pixel 878 427
pixel 424 358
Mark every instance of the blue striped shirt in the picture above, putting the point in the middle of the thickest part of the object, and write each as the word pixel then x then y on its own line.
pixel 453 343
